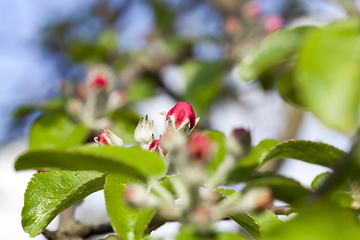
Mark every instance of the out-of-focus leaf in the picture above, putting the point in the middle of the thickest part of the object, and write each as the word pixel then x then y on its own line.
pixel 257 225
pixel 189 233
pixel 129 223
pixel 49 105
pixel 284 189
pixel 219 147
pixel 125 122
pixel 274 49
pixel 204 83
pixel 246 166
pixel 129 161
pixel 328 73
pixel 288 89
pixel 56 129
pixel 319 221
pixel 140 90
pixel 319 180
pixel 307 151
pixel 50 193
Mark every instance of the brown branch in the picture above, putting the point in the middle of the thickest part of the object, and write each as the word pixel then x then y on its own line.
pixel 282 210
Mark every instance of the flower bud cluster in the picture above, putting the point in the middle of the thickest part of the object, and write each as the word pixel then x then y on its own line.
pixel 89 100
pixel 190 153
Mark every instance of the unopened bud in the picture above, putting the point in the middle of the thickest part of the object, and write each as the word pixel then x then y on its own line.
pixel 273 23
pixel 199 147
pixel 137 196
pixel 157 147
pixel 106 137
pixel 116 100
pixel 100 78
pixel 252 10
pixel 144 133
pixel 257 199
pixel 173 141
pixel 203 215
pixel 239 142
pixel 232 25
pixel 181 118
pixel 81 90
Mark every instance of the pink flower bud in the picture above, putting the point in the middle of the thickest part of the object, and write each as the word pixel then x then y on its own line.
pixel 199 146
pixel 252 10
pixel 99 82
pixel 116 100
pixel 157 147
pixel 181 118
pixel 144 133
pixel 239 142
pixel 137 196
pixel 106 137
pixel 232 25
pixel 273 23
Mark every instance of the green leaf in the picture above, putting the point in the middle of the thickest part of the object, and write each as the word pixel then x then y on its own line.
pixel 125 122
pixel 319 180
pixel 307 151
pixel 49 105
pixel 319 221
pixel 257 225
pixel 129 223
pixel 247 165
pixel 285 189
pixel 56 129
pixel 328 77
pixel 288 89
pixel 219 147
pixel 204 83
pixel 50 193
pixel 140 90
pixel 130 161
pixel 189 233
pixel 273 50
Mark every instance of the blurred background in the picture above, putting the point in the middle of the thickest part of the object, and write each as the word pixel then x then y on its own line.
pixel 159 52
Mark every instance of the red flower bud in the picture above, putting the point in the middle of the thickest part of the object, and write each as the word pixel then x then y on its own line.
pixel 181 118
pixel 257 199
pixel 239 142
pixel 199 146
pixel 273 23
pixel 99 82
pixel 137 196
pixel 106 137
pixel 157 147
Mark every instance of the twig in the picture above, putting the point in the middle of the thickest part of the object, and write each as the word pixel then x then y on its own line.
pixel 282 210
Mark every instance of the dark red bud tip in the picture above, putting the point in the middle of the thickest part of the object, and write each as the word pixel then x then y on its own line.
pixel 199 146
pixel 182 112
pixel 242 135
pixel 157 147
pixel 100 82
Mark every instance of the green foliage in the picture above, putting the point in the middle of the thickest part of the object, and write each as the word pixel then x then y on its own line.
pixel 204 81
pixel 319 180
pixel 273 50
pixel 56 129
pixel 247 165
pixel 124 124
pixel 320 221
pixel 189 233
pixel 307 151
pixel 257 225
pixel 50 193
pixel 140 90
pixel 328 77
pixel 129 223
pixel 49 105
pixel 285 189
pixel 219 145
pixel 130 161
